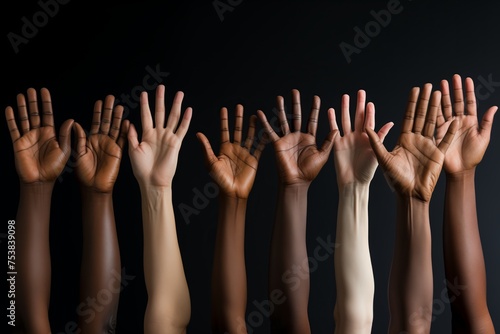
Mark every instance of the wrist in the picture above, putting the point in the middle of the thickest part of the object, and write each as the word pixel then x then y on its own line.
pixel 294 187
pixel 37 188
pixel 408 201
pixel 153 192
pixel 463 175
pixel 347 189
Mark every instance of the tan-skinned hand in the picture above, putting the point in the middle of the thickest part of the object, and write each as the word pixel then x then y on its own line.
pixel 235 167
pixel 413 167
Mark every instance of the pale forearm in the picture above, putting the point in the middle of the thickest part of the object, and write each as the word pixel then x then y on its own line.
pixel 100 260
pixel 289 266
pixel 169 307
pixel 33 258
pixel 353 268
pixel 229 288
pixel 411 281
pixel 464 261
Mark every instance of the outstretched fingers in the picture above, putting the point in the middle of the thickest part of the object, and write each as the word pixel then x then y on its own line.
pixel 359 118
pixel 47 113
pixel 470 97
pixel 186 121
pixel 251 132
pixel 224 126
pixel 146 118
pixel 430 119
pixel 11 124
pixel 346 117
pixel 296 110
pixel 410 110
pixel 280 104
pixel 458 96
pixel 175 111
pixel 238 124
pixel 114 131
pixel 312 125
pixel 34 115
pixel 22 111
pixel 422 108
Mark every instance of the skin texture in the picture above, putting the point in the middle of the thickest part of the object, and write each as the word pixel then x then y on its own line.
pixel 355 165
pixel 234 171
pixel 464 261
pixel 39 159
pixel 97 164
pixel 154 162
pixel 298 161
pixel 412 170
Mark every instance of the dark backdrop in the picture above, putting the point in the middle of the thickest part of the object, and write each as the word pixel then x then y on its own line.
pixel 250 54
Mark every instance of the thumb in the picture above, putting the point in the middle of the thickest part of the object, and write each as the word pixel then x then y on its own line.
pixel 65 136
pixel 208 152
pixel 377 146
pixel 81 139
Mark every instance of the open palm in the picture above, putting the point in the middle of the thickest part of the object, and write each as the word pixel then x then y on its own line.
pixel 353 155
pixel 154 159
pixel 471 139
pixel 413 167
pixel 235 167
pixel 99 155
pixel 39 156
pixel 298 158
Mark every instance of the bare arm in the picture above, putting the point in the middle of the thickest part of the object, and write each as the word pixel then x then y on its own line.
pixel 234 171
pixel 299 161
pixel 464 261
pixel 412 169
pixel 97 164
pixel 39 159
pixel 355 165
pixel 154 161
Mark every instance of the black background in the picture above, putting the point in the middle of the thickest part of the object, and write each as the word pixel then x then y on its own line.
pixel 258 51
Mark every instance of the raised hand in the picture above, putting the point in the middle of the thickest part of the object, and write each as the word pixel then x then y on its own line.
pixel 464 266
pixel 298 158
pixel 99 154
pixel 154 159
pixel 235 167
pixel 354 159
pixel 39 156
pixel 471 139
pixel 355 164
pixel 414 165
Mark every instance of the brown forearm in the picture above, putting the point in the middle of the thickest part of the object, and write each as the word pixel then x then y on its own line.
pixel 464 261
pixel 100 268
pixel 229 287
pixel 33 258
pixel 411 281
pixel 289 266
